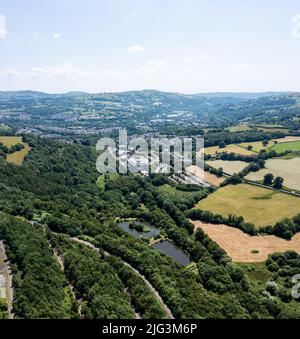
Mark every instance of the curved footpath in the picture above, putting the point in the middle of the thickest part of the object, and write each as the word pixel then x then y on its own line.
pixel 6 270
pixel 152 289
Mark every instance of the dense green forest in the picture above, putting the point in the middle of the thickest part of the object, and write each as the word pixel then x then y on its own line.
pixel 56 188
pixel 3 309
pixel 143 299
pixel 96 284
pixel 39 285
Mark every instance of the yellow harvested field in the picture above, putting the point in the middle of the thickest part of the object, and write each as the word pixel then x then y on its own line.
pixel 238 128
pixel 259 206
pixel 10 141
pixel 208 177
pixel 243 248
pixel 288 169
pixel 229 149
pixel 213 179
pixel 274 130
pixel 17 158
pixel 229 167
pixel 288 139
pixel 257 146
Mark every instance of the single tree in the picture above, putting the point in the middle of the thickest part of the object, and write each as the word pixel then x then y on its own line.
pixel 222 144
pixel 278 183
pixel 268 179
pixel 219 172
pixel 235 179
pixel 261 163
pixel 265 143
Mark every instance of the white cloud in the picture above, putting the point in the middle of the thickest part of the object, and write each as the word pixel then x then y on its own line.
pixel 241 67
pixel 3 31
pixel 189 60
pixel 237 67
pixel 36 35
pixel 9 73
pixel 153 66
pixel 64 70
pixel 64 77
pixel 135 49
pixel 296 26
pixel 57 35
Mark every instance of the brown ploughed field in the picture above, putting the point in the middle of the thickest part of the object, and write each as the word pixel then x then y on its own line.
pixel 243 248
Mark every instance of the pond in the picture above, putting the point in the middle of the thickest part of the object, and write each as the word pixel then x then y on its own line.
pixel 153 231
pixel 173 251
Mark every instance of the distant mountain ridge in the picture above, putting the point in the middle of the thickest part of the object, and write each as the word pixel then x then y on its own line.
pixel 146 108
pixel 240 95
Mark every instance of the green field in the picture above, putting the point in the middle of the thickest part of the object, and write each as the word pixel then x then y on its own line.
pixel 238 128
pixel 257 146
pixel 270 126
pixel 257 205
pixel 287 146
pixel 4 128
pixel 173 192
pixel 274 130
pixel 292 155
pixel 258 273
pixel 282 146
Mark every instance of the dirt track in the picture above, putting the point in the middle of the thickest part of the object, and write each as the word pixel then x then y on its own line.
pixel 288 139
pixel 208 177
pixel 6 270
pixel 240 246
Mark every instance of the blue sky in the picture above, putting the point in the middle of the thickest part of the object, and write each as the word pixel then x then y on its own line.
pixel 173 45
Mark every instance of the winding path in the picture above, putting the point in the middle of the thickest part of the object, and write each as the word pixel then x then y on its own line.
pixel 147 282
pixel 8 275
pixel 60 260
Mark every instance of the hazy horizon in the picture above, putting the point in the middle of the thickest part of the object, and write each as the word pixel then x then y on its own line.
pixel 154 90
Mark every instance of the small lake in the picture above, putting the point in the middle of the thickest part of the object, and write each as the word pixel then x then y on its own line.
pixel 153 231
pixel 173 251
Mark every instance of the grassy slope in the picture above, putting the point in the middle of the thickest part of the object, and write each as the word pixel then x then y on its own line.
pixel 238 128
pixel 257 205
pixel 16 158
pixel 285 168
pixel 229 148
pixel 229 167
pixel 287 146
